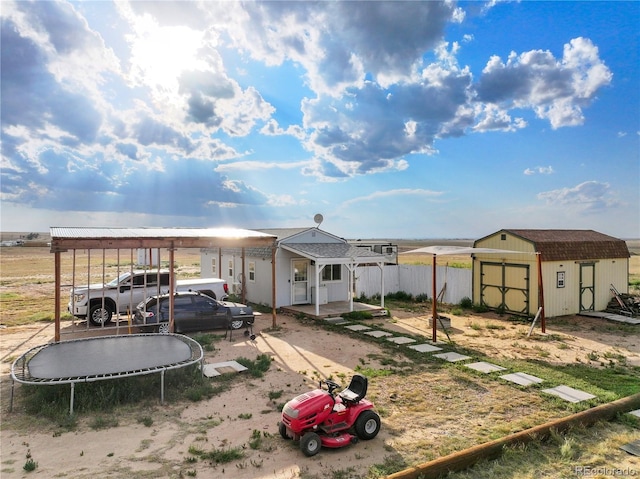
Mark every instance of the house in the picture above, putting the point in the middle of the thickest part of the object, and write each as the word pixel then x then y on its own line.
pixel 312 267
pixel 578 269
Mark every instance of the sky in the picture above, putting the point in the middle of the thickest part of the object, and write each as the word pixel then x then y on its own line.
pixel 391 119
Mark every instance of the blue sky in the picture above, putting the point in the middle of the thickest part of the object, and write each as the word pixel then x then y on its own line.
pixel 391 119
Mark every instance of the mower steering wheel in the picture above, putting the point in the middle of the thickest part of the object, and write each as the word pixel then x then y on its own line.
pixel 331 385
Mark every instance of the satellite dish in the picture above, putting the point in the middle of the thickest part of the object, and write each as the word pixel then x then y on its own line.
pixel 318 219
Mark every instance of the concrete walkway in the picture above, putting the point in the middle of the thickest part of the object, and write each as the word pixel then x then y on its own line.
pixel 519 378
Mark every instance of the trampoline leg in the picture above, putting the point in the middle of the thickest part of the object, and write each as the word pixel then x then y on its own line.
pixel 73 390
pixel 162 386
pixel 13 383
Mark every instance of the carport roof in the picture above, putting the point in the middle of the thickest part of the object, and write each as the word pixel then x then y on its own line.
pixel 64 238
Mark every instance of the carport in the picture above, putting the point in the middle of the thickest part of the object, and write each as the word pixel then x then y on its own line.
pixel 70 239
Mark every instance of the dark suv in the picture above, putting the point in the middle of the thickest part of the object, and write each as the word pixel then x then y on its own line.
pixel 193 311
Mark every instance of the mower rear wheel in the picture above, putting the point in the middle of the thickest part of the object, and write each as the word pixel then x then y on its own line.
pixel 310 444
pixel 367 425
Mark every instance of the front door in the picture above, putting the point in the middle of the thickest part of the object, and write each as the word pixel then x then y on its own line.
pixel 587 286
pixel 300 281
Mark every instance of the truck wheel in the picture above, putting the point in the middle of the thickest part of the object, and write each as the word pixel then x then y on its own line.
pixel 99 316
pixel 163 328
pixel 310 444
pixel 367 425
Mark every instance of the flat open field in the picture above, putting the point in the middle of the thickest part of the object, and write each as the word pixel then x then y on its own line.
pixel 429 407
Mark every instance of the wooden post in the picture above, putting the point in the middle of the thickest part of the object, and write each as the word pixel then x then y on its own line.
pixel 434 305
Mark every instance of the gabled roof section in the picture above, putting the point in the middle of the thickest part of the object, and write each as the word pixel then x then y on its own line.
pixel 335 253
pixel 297 235
pixel 283 233
pixel 561 245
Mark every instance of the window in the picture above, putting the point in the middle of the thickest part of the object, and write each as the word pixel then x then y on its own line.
pixel 214 267
pixel 252 271
pixel 560 279
pixel 231 268
pixel 503 237
pixel 332 272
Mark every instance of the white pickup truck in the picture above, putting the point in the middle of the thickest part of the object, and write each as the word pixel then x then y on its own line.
pixel 123 294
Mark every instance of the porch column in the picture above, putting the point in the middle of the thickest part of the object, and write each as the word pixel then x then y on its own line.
pixel 319 268
pixel 351 268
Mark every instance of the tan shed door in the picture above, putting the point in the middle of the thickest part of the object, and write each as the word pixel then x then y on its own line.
pixel 505 286
pixel 587 286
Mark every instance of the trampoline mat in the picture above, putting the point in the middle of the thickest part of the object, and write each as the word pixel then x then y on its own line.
pixel 108 355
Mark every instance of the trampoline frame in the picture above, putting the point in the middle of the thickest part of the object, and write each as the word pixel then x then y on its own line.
pixel 20 367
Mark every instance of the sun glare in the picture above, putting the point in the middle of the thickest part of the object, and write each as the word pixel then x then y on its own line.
pixel 161 54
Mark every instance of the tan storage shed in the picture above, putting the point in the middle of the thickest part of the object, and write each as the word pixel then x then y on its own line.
pixel 579 268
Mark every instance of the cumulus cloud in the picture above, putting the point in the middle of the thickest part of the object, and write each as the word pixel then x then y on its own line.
pixel 557 90
pixel 587 196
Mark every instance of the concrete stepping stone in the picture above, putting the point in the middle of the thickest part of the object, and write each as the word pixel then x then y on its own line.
pixel 338 321
pixel 358 327
pixel 569 394
pixel 401 340
pixel 485 367
pixel 452 357
pixel 217 369
pixel 632 448
pixel 523 379
pixel 425 348
pixel 635 413
pixel 378 334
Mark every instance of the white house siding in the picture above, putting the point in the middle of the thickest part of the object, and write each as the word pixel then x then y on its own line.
pixel 415 280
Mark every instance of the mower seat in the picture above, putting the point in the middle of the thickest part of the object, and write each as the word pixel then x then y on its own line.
pixel 356 391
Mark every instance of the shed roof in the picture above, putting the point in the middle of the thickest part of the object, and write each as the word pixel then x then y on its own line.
pixel 563 245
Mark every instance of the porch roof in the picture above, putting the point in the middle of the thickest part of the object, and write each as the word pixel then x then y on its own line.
pixel 334 253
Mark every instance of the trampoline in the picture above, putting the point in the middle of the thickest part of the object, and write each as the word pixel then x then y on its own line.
pixel 103 358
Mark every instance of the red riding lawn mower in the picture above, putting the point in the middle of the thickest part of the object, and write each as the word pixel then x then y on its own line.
pixel 322 418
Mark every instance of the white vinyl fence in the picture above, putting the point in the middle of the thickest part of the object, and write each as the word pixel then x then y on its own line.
pixel 415 280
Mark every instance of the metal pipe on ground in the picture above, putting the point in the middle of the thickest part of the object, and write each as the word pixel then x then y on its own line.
pixel 461 460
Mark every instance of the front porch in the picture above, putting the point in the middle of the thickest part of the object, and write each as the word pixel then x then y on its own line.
pixel 335 308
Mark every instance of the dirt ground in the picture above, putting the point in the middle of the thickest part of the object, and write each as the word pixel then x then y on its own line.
pixel 414 416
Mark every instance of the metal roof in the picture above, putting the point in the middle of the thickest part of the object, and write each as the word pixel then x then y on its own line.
pixel 63 238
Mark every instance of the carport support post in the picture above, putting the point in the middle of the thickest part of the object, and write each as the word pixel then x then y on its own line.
pixel 540 291
pixel 56 314
pixel 434 306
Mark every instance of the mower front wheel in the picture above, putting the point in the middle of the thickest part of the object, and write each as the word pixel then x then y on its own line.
pixel 367 425
pixel 310 444
pixel 282 429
